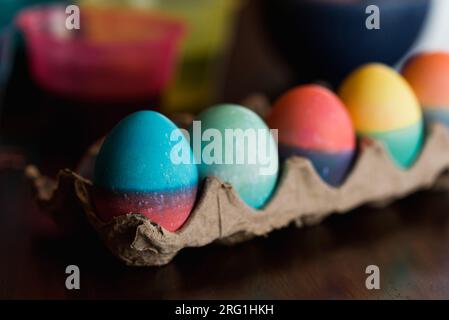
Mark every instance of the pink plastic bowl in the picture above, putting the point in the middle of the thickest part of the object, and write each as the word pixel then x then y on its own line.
pixel 116 55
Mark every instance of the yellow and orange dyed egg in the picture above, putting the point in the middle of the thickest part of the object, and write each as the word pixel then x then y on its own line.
pixel 428 75
pixel 382 105
pixel 313 123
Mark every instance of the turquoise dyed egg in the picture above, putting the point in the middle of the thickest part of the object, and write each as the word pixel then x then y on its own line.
pixel 135 171
pixel 234 144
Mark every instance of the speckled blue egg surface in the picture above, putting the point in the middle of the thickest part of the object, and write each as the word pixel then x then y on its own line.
pixel 135 172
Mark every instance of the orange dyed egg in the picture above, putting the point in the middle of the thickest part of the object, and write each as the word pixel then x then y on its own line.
pixel 428 75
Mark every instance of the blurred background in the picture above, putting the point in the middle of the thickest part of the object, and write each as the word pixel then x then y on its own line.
pixel 61 89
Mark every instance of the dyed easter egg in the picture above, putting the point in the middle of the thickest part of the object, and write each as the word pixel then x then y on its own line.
pixel 135 172
pixel 382 105
pixel 234 144
pixel 428 75
pixel 313 123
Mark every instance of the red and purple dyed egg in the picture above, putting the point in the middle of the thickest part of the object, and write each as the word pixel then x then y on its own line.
pixel 138 172
pixel 313 123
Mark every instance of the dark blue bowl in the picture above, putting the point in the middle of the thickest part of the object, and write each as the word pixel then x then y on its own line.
pixel 326 39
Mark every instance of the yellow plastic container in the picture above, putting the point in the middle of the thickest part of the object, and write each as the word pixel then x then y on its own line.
pixel 209 25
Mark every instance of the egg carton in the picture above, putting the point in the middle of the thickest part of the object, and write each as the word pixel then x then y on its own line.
pixel 221 216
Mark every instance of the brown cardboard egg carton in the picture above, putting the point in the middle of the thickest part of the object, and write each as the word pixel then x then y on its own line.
pixel 221 216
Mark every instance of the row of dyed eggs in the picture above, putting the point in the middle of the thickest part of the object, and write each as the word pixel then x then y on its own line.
pixel 381 104
pixel 134 171
pixel 141 169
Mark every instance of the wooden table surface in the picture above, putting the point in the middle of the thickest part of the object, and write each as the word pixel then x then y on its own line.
pixel 408 240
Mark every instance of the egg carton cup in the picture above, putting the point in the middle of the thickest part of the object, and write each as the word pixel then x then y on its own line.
pixel 221 216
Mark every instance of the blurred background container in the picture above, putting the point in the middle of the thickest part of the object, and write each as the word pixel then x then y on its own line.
pixel 278 44
pixel 435 33
pixel 326 39
pixel 200 72
pixel 115 56
pixel 10 8
pixel 9 37
pixel 5 59
pixel 7 11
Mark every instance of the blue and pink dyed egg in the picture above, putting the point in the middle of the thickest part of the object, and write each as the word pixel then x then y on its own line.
pixel 135 172
pixel 313 123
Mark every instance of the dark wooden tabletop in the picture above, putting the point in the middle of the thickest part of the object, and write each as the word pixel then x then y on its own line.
pixel 408 240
